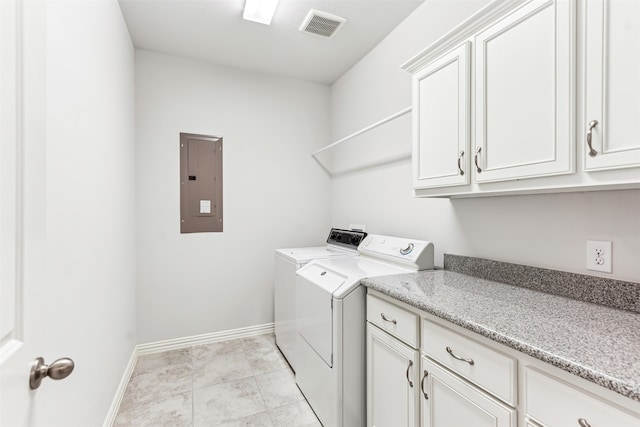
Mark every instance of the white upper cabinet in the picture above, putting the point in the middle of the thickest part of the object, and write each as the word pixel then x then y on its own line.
pixel 524 74
pixel 612 84
pixel 553 101
pixel 441 122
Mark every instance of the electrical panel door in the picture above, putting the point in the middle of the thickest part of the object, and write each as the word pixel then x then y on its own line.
pixel 200 183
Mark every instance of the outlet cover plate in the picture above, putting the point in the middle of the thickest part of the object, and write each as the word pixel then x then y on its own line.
pixel 599 256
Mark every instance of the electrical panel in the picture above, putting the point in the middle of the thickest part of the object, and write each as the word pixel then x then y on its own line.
pixel 200 183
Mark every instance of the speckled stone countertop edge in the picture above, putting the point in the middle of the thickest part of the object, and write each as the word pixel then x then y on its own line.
pixel 594 289
pixel 577 369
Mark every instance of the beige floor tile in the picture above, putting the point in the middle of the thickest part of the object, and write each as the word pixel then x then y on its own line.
pixel 206 351
pixel 265 341
pixel 149 362
pixel 241 382
pixel 261 419
pixel 226 402
pixel 155 384
pixel 297 414
pixel 278 388
pixel 221 369
pixel 175 411
pixel 266 360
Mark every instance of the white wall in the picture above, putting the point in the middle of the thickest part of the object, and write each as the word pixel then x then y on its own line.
pixel 543 230
pixel 274 193
pixel 89 313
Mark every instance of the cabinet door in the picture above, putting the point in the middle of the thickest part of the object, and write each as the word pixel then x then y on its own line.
pixel 612 56
pixel 392 381
pixel 525 88
pixel 441 121
pixel 554 403
pixel 448 401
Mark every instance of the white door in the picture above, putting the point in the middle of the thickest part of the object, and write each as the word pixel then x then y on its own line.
pixel 525 89
pixel 448 401
pixel 22 303
pixel 392 381
pixel 612 55
pixel 441 121
pixel 75 287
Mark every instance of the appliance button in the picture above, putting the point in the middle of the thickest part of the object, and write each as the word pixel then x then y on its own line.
pixel 407 250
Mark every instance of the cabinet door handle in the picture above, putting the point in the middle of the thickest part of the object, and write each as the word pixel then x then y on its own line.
pixel 455 356
pixel 583 423
pixel 386 319
pixel 475 159
pixel 407 373
pixel 424 377
pixel 592 152
pixel 460 155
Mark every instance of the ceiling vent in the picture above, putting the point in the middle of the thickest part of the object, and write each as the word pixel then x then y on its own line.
pixel 321 24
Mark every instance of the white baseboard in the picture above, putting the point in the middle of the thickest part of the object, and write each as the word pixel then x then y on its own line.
pixel 160 346
pixel 117 399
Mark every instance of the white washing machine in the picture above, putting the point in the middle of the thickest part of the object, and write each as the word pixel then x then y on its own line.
pixel 340 244
pixel 330 303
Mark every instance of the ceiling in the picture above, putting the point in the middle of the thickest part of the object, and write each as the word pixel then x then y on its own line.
pixel 214 31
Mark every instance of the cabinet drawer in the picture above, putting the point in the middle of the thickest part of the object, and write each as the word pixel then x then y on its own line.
pixel 397 321
pixel 486 367
pixel 553 402
pixel 447 400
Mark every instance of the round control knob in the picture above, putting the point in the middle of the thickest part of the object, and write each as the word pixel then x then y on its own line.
pixel 407 250
pixel 355 239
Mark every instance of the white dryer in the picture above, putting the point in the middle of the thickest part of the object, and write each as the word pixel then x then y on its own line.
pixel 340 244
pixel 330 303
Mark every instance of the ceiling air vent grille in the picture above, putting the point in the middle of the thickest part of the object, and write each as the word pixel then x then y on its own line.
pixel 321 24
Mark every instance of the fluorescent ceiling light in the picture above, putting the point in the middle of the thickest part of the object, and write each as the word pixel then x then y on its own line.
pixel 260 10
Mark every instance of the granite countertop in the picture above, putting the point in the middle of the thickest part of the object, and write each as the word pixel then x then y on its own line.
pixel 598 343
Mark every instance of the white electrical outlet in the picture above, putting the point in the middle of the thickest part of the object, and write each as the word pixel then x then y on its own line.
pixel 599 256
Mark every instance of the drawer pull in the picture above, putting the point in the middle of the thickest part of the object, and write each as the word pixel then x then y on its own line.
pixel 583 423
pixel 407 373
pixel 426 374
pixel 386 319
pixel 455 356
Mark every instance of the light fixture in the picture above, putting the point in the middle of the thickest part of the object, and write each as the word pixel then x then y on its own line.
pixel 260 10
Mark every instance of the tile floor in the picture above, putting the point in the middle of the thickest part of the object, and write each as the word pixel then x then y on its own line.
pixel 241 382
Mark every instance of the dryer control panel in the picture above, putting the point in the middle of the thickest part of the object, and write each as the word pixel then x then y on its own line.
pixel 410 253
pixel 350 239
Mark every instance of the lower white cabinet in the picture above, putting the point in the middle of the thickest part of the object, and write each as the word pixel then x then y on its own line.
pixel 392 381
pixel 555 403
pixel 448 401
pixel 423 371
pixel 405 390
pixel 488 369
